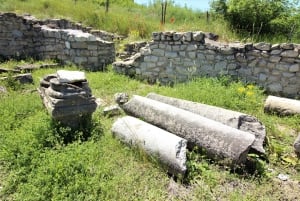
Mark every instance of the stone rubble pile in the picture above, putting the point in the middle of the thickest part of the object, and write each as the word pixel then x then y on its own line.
pixel 68 97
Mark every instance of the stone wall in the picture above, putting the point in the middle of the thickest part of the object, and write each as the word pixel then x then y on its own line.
pixel 177 57
pixel 59 39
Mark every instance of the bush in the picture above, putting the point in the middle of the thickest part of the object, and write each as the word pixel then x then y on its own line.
pixel 259 16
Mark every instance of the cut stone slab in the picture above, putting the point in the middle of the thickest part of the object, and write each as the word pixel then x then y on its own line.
pixel 167 147
pixel 65 76
pixel 230 118
pixel 25 78
pixel 220 142
pixel 282 106
pixel 112 110
pixel 297 145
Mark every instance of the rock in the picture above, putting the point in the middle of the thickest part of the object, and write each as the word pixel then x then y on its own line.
pixel 230 118
pixel 220 142
pixel 275 87
pixel 287 46
pixel 167 147
pixel 263 46
pixel 289 53
pixel 283 177
pixel 282 106
pixel 3 89
pixel 65 76
pixel 25 78
pixel 297 145
pixel 211 36
pixel 112 110
pixel 198 36
pixel 121 98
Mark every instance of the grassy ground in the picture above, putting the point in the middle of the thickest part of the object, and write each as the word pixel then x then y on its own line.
pixel 37 165
pixel 129 18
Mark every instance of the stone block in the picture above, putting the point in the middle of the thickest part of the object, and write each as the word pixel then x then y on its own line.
pixel 187 36
pixel 92 59
pixel 289 53
pixel 283 67
pixel 158 52
pixel 192 55
pixel 192 47
pixel 275 87
pixel 198 36
pixel 220 66
pixel 171 54
pixel 276 52
pixel 275 59
pixel 287 46
pixel 79 45
pixel 262 46
pixel 156 36
pixel 294 68
pixel 80 60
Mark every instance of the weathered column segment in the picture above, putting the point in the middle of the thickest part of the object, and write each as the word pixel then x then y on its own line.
pixel 230 118
pixel 169 148
pixel 219 141
pixel 282 106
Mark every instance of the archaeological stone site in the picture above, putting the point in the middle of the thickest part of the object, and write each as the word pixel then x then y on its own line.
pixel 169 126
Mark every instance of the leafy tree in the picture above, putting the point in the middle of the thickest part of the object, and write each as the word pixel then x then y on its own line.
pixel 219 7
pixel 260 16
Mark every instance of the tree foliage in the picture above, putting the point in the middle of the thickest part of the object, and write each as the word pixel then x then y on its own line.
pixel 260 16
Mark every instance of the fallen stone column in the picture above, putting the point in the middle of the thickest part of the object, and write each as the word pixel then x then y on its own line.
pixel 219 141
pixel 230 118
pixel 282 106
pixel 169 148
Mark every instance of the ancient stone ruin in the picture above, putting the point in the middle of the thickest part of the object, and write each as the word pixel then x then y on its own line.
pixel 68 98
pixel 167 147
pixel 230 118
pixel 282 106
pixel 226 139
pixel 173 57
pixel 57 39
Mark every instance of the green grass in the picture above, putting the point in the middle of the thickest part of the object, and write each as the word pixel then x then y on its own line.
pixel 129 18
pixel 37 165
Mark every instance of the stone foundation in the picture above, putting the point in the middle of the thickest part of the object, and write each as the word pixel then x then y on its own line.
pixel 173 57
pixel 62 40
